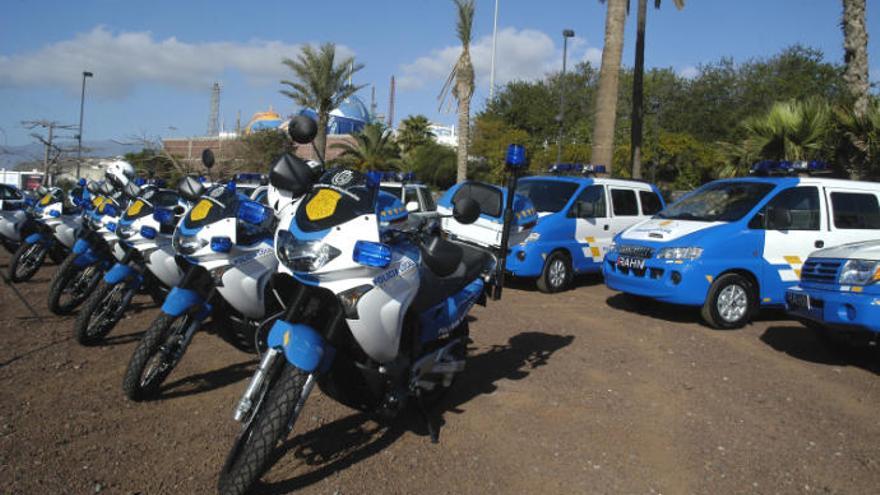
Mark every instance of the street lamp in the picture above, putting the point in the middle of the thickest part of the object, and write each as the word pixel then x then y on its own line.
pixel 79 136
pixel 494 45
pixel 566 34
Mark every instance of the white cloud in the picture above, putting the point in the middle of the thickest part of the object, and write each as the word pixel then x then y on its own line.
pixel 524 54
pixel 689 72
pixel 121 61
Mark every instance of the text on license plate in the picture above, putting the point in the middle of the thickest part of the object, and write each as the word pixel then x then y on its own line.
pixel 630 262
pixel 798 300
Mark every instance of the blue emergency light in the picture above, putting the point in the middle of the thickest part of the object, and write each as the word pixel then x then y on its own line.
pixel 163 216
pixel 516 156
pixel 371 254
pixel 148 232
pixel 779 167
pixel 252 212
pixel 221 244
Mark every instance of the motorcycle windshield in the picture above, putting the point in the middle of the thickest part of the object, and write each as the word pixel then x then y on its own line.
pixel 339 196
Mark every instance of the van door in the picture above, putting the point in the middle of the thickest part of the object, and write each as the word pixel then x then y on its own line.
pixel 794 226
pixel 592 227
pixel 854 215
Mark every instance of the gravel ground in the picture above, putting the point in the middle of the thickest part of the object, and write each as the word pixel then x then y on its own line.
pixel 586 391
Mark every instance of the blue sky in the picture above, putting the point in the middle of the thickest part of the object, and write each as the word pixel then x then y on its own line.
pixel 154 62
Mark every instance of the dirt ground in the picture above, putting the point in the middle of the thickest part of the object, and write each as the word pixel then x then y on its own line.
pixel 581 392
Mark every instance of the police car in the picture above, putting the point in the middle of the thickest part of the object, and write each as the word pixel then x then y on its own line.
pixel 839 291
pixel 577 217
pixel 735 245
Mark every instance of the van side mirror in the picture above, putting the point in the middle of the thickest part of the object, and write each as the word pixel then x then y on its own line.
pixel 412 206
pixel 779 218
pixel 584 210
pixel 466 211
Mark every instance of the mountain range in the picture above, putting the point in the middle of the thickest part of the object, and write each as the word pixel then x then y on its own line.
pixel 10 156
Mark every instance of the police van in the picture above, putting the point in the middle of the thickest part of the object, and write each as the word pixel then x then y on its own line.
pixel 578 215
pixel 735 245
pixel 839 291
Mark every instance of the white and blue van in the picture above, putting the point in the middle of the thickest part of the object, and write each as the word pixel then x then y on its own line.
pixel 578 216
pixel 735 245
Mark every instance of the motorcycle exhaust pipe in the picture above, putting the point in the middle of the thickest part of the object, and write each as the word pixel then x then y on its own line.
pixel 246 402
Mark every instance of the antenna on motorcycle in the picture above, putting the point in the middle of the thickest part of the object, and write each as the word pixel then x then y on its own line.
pixel 302 130
pixel 516 162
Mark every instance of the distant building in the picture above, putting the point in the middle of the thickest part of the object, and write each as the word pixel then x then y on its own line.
pixel 444 135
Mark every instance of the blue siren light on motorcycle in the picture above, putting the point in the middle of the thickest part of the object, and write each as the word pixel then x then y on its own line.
pixel 252 212
pixel 55 213
pixel 81 183
pixel 110 210
pixel 221 244
pixel 371 254
pixel 516 156
pixel 111 226
pixel 163 216
pixel 139 181
pixel 148 232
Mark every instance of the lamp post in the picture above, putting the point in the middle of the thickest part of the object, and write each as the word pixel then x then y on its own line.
pixel 79 136
pixel 566 34
pixel 494 44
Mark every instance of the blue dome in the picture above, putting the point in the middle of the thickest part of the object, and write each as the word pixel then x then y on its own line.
pixel 353 108
pixel 349 118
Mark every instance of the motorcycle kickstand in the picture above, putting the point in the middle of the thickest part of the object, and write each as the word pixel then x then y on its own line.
pixel 432 429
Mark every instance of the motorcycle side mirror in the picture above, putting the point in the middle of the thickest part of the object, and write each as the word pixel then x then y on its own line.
pixel 412 206
pixel 93 187
pixel 291 173
pixel 208 158
pixel 106 189
pixel 466 211
pixel 302 129
pixel 132 190
pixel 190 188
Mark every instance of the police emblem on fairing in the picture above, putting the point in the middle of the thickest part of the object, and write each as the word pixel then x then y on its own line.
pixel 342 178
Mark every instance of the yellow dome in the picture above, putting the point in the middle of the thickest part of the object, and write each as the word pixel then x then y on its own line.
pixel 263 120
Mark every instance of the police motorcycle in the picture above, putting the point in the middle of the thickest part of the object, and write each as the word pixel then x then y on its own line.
pixel 224 247
pixel 144 232
pixel 375 310
pixel 97 247
pixel 53 227
pixel 14 221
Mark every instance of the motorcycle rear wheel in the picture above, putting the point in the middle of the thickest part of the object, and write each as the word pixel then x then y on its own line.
pixel 155 357
pixel 268 425
pixel 28 258
pixel 101 312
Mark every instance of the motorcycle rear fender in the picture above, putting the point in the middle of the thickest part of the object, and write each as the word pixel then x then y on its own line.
pixel 123 273
pixel 302 345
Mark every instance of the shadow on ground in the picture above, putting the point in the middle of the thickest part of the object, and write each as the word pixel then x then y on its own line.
pixel 336 446
pixel 209 380
pixel 804 344
pixel 529 285
pixel 675 313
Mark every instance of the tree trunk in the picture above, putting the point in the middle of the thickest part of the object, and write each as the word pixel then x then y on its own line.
pixel 464 108
pixel 855 53
pixel 321 136
pixel 609 75
pixel 638 94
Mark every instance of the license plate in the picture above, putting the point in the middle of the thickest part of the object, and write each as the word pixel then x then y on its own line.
pixel 798 300
pixel 630 262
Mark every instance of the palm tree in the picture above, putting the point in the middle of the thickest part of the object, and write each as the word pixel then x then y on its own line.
pixel 638 86
pixel 855 53
pixel 373 149
pixel 862 132
pixel 609 75
pixel 321 84
pixel 463 76
pixel 791 130
pixel 413 132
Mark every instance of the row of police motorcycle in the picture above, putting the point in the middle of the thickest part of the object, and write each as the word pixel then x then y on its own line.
pixel 331 282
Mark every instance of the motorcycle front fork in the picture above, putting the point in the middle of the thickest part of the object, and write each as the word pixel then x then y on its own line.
pixel 246 403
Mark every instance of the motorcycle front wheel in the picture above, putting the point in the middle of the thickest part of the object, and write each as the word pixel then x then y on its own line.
pixel 101 312
pixel 71 285
pixel 28 258
pixel 155 357
pixel 269 424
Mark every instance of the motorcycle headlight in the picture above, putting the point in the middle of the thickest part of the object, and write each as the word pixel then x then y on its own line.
pixel 859 272
pixel 301 255
pixel 679 253
pixel 184 244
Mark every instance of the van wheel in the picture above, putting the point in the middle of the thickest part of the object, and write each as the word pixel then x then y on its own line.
pixel 731 302
pixel 556 275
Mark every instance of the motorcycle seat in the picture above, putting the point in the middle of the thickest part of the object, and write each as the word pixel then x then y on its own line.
pixel 436 287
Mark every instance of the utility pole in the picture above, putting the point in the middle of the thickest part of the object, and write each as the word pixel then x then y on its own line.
pixel 79 136
pixel 494 44
pixel 390 118
pixel 48 142
pixel 566 34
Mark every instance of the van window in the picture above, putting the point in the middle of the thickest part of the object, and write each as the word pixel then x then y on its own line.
pixel 855 211
pixel 802 202
pixel 429 200
pixel 651 203
pixel 624 202
pixel 590 203
pixel 547 195
pixel 725 201
pixel 488 197
pixel 7 192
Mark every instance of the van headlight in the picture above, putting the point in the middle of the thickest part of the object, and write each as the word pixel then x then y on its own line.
pixel 679 253
pixel 859 272
pixel 301 255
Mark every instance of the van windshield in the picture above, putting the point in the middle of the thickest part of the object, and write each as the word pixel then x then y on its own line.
pixel 547 195
pixel 719 202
